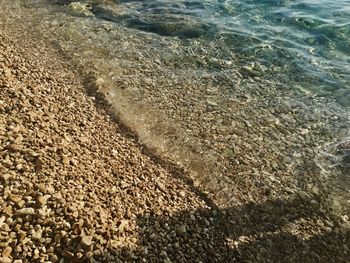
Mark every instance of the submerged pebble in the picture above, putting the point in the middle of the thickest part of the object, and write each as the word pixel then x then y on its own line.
pixel 79 9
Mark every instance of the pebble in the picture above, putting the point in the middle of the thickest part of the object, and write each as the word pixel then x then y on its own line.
pixel 212 103
pixel 328 230
pixel 182 194
pixel 15 198
pixel 314 202
pixel 123 225
pixel 100 82
pixel 161 186
pixel 5 260
pixel 25 211
pixel 42 200
pixel 80 9
pixel 86 241
pixel 303 195
pixel 183 229
pixel 6 176
pixel 7 252
pixel 37 235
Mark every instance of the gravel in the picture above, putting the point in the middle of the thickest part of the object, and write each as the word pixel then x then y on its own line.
pixel 77 186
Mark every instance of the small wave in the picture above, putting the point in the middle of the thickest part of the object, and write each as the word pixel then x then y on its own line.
pixel 334 161
pixel 335 155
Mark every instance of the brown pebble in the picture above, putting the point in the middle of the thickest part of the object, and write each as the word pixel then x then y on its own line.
pixel 25 211
pixel 5 260
pixel 182 194
pixel 7 252
pixel 6 176
pixel 38 164
pixel 86 241
pixel 15 198
pixel 42 200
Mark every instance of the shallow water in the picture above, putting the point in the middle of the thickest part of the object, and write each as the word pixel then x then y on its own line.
pixel 246 95
pixel 307 41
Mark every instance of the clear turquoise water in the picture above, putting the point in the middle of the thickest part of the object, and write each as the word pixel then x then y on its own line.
pixel 302 42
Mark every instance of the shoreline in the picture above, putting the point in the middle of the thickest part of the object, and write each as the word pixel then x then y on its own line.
pixel 75 185
pixel 53 163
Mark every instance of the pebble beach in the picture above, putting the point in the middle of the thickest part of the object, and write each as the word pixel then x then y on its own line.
pixel 79 184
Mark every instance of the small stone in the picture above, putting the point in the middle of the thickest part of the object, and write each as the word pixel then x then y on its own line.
pixel 86 241
pixel 54 23
pixel 161 186
pixel 15 198
pixel 123 225
pixel 297 155
pixel 42 200
pixel 72 208
pixel 315 190
pixel 328 230
pixel 303 195
pixel 7 252
pixel 100 82
pixel 58 197
pixel 8 221
pixel 5 260
pixel 19 167
pixel 153 236
pixel 25 211
pixel 304 131
pixel 80 9
pixel 183 229
pixel 89 255
pixel 13 235
pixel 21 203
pixel 7 210
pixel 75 214
pixel 314 202
pixel 328 223
pixel 212 103
pixel 344 218
pixel 83 139
pixel 65 159
pixel 38 164
pixel 74 162
pixel 37 235
pixel 6 177
pixel 249 70
pixel 182 194
pixel 163 254
pixel 68 254
pixel 123 185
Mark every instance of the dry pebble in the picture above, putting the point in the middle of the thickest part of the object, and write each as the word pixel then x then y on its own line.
pixel 5 260
pixel 86 241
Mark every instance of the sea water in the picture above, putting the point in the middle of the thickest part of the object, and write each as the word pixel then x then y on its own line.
pixel 309 41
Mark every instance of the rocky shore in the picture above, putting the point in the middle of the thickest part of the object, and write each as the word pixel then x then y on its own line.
pixel 76 186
